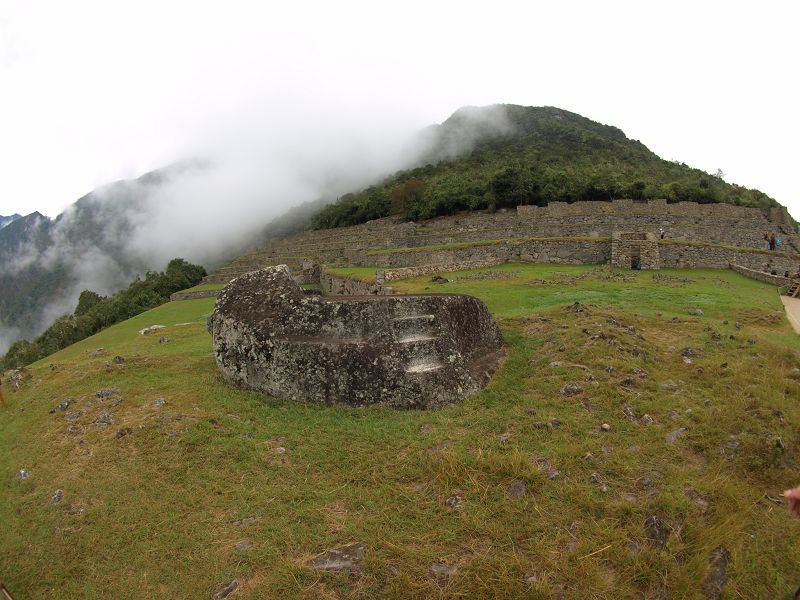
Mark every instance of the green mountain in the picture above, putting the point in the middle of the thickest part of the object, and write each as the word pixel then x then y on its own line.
pixel 506 155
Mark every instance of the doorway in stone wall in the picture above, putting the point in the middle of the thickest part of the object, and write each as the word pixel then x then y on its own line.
pixel 636 259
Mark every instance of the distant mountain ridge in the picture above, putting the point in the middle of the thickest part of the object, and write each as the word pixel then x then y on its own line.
pixel 506 155
pixel 9 219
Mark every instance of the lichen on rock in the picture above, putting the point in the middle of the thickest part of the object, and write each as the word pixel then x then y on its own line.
pixel 421 351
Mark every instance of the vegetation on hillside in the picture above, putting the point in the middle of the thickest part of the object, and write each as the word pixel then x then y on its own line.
pixel 94 312
pixel 535 155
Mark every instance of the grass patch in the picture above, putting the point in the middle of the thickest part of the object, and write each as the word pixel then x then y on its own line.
pixel 156 513
pixel 204 287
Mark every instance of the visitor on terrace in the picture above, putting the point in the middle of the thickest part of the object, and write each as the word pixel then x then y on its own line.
pixel 772 241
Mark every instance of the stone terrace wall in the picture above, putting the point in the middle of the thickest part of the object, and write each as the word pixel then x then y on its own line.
pixel 677 255
pixel 339 285
pixel 408 272
pixel 779 280
pixel 552 250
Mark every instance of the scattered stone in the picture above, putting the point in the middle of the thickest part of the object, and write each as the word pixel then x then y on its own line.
pixel 441 446
pixel 562 349
pixel 605 427
pixel 542 425
pixel 656 532
pixel 717 576
pixel 345 558
pixel 442 572
pixel 696 312
pixel 56 497
pixel 628 382
pixel 54 366
pixel 439 279
pixel 587 404
pixel 242 546
pixel 691 353
pixel 707 402
pixel 641 373
pixel 531 411
pixel 107 392
pixel 99 352
pixel 425 428
pixel 118 360
pixel 552 475
pixel 588 456
pixel 62 406
pixel 695 497
pixel 716 336
pixel 104 417
pixel 751 341
pixel 213 422
pixel 604 488
pixel 159 402
pixel 71 416
pixel 609 369
pixel 504 437
pixel 224 592
pixel 647 419
pixel 280 450
pixel 594 477
pixel 455 501
pixel 23 474
pixel 589 377
pixel 630 498
pixel 517 489
pixel 163 339
pixel 673 436
pixel 571 389
pixel 124 432
pixel 669 387
pixel 629 412
pixel 779 444
pixel 151 329
pixel 73 430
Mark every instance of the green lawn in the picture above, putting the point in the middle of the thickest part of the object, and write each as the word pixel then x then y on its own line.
pixel 204 286
pixel 153 514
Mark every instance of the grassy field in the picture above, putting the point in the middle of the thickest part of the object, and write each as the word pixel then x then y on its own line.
pixel 529 497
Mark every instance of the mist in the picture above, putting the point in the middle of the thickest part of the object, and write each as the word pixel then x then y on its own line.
pixel 231 178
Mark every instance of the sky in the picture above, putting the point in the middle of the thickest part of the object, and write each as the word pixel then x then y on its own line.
pixel 94 91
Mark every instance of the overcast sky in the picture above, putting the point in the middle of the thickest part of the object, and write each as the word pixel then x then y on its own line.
pixel 91 92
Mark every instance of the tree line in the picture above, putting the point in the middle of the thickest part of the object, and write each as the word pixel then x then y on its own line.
pixel 95 312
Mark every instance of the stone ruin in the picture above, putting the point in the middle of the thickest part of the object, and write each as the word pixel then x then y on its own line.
pixel 634 250
pixel 416 351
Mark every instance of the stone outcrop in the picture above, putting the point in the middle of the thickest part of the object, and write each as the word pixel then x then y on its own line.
pixel 421 351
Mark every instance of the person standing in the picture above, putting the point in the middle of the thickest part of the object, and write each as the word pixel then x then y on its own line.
pixel 772 241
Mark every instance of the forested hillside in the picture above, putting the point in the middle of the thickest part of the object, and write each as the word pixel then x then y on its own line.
pixel 506 155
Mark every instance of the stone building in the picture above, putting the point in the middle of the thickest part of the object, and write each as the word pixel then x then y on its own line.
pixel 634 250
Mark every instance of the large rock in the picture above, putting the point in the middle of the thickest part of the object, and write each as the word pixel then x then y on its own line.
pixel 419 351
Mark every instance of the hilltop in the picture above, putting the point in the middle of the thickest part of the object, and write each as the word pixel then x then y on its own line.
pixel 148 476
pixel 507 155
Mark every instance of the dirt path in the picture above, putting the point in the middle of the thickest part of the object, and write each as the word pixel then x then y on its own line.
pixel 792 311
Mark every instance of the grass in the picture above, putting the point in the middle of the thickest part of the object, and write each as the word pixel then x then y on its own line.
pixel 153 513
pixel 204 287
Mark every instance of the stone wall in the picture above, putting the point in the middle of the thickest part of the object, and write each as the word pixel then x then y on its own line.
pixel 340 285
pixel 548 250
pixel 421 351
pixel 686 255
pixel 192 295
pixel 778 280
pixel 408 272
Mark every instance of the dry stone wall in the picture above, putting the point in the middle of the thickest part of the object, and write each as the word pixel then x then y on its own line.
pixel 778 280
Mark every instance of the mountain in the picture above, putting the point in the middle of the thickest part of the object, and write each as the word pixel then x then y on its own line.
pixel 6 220
pixel 505 155
pixel 45 263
